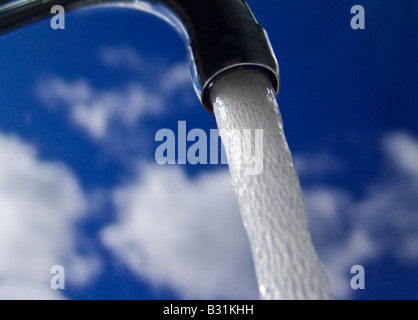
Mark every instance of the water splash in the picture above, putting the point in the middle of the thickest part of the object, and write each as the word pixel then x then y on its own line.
pixel 271 202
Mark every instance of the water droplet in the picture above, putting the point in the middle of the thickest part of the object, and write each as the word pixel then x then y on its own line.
pixel 263 290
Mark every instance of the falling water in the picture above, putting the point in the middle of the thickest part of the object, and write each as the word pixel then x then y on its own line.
pixel 269 194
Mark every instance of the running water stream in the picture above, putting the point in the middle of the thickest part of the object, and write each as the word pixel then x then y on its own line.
pixel 269 196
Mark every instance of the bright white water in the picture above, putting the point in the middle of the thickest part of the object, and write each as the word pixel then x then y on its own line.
pixel 269 193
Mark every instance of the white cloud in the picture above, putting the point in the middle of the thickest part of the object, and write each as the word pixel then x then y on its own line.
pixel 175 78
pixel 183 233
pixel 340 246
pixel 55 90
pixel 121 55
pixel 402 150
pixel 98 111
pixel 318 165
pixel 102 113
pixel 40 202
pixel 348 231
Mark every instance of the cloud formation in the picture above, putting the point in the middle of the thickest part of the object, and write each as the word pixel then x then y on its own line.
pixel 103 113
pixel 121 56
pixel 183 233
pixel 171 232
pixel 348 231
pixel 40 204
pixel 318 165
pixel 98 111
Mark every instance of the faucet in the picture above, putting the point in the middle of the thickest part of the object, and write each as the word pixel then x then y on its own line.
pixel 221 35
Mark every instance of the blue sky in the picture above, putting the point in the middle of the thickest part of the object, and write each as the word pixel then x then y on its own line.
pixel 79 185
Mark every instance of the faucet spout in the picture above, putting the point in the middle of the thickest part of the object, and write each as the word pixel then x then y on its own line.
pixel 221 35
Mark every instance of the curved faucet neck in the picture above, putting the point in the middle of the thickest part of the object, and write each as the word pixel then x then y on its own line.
pixel 221 35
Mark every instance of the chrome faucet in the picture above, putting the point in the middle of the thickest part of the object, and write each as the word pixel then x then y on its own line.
pixel 221 35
